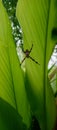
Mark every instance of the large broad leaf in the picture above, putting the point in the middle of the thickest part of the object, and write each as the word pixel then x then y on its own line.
pixel 9 118
pixel 38 20
pixel 12 89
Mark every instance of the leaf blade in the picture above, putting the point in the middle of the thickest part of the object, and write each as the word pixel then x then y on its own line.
pixel 34 15
pixel 12 88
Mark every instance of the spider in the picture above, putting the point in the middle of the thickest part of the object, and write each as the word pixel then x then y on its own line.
pixel 27 55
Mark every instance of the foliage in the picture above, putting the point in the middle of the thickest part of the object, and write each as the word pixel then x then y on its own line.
pixel 12 87
pixel 37 21
pixel 11 10
pixel 53 78
pixel 27 95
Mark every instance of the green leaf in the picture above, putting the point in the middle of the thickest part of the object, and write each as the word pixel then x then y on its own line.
pixel 12 88
pixel 9 118
pixel 37 19
pixel 53 78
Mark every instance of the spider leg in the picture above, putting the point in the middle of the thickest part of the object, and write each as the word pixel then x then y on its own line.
pixel 23 50
pixel 23 60
pixel 31 48
pixel 34 60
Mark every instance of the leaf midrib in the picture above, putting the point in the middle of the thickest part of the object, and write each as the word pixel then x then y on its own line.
pixel 45 69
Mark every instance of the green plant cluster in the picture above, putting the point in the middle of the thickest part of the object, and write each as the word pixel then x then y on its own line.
pixel 26 98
